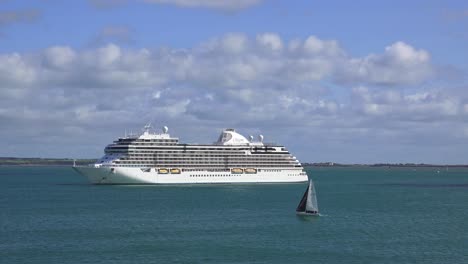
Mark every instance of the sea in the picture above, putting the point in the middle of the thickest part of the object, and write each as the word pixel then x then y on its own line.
pixel 369 215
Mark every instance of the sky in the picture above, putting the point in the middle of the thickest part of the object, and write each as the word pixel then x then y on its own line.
pixel 344 81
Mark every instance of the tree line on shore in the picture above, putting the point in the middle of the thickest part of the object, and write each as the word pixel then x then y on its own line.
pixel 333 164
pixel 11 161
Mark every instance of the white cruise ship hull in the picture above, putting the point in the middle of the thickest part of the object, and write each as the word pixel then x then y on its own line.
pixel 134 175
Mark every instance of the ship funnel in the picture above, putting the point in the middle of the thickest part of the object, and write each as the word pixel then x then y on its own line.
pixel 251 138
pixel 165 129
pixel 260 138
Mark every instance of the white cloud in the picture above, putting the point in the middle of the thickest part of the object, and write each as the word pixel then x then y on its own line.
pixel 108 55
pixel 270 41
pixel 255 83
pixel 233 43
pixel 401 52
pixel 233 61
pixel 59 56
pixel 399 64
pixel 314 46
pixel 427 106
pixel 16 71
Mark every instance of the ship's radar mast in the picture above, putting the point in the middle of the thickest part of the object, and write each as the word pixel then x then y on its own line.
pixel 147 127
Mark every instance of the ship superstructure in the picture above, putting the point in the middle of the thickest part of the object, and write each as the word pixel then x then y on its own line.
pixel 158 158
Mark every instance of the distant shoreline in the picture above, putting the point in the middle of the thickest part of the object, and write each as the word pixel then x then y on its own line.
pixel 389 165
pixel 12 161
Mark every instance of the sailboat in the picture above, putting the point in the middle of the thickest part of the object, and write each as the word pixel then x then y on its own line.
pixel 308 204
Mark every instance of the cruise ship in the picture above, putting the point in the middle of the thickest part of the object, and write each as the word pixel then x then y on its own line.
pixel 158 158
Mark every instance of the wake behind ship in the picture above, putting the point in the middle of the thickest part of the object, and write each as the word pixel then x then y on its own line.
pixel 158 158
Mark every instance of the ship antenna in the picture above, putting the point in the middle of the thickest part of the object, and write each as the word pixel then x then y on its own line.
pixel 147 127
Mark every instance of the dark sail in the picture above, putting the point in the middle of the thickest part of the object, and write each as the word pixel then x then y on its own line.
pixel 302 205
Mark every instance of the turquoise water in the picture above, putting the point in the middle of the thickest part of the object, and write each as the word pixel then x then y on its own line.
pixel 372 215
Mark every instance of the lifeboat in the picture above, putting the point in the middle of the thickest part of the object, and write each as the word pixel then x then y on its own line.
pixel 237 171
pixel 175 171
pixel 250 170
pixel 163 171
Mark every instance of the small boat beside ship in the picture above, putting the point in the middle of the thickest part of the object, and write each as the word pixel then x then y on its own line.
pixel 308 205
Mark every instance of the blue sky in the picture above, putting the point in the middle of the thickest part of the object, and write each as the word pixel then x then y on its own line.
pixel 344 81
pixel 361 26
